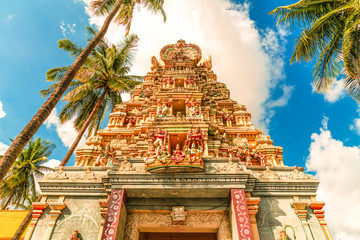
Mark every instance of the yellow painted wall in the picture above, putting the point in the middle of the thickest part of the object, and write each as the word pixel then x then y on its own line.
pixel 10 220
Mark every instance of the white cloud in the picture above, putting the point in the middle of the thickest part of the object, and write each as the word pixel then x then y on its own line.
pixel 3 148
pixel 52 163
pixel 65 131
pixel 249 61
pixel 2 113
pixel 335 92
pixel 355 126
pixel 67 28
pixel 337 167
pixel 10 17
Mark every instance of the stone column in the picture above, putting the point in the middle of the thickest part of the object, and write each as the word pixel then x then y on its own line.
pixel 253 207
pixel 240 220
pixel 115 217
pixel 104 203
pixel 300 209
pixel 320 214
pixel 38 210
pixel 55 212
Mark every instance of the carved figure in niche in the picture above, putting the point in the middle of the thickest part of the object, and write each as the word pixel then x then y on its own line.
pixel 125 165
pixel 106 157
pixel 60 174
pixel 231 151
pixel 194 109
pixel 272 160
pixel 178 155
pixel 196 134
pixel 193 154
pixel 189 82
pixel 159 139
pixel 228 119
pixel 88 175
pixel 164 155
pixel 165 108
pixel 244 154
pixel 130 121
pixel 150 156
pixel 144 94
pixel 261 157
pixel 168 83
pixel 74 235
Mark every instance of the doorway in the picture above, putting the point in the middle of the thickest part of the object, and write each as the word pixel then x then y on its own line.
pixel 177 236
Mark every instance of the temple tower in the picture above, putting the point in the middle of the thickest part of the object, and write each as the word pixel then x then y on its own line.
pixel 179 160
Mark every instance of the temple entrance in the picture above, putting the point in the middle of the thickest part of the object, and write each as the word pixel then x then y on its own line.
pixel 158 224
pixel 177 236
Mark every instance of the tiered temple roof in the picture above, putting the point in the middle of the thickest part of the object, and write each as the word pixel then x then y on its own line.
pixel 179 117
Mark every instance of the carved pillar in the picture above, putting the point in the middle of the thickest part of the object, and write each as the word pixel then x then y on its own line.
pixel 300 209
pixel 115 217
pixel 55 212
pixel 38 210
pixel 253 207
pixel 240 220
pixel 104 203
pixel 320 214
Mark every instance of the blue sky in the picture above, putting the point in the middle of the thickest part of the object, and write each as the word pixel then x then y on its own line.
pixel 304 123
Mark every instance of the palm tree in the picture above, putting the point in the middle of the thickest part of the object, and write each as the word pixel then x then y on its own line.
pixel 123 10
pixel 98 85
pixel 330 34
pixel 19 185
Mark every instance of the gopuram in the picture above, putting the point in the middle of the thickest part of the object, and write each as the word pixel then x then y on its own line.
pixel 179 160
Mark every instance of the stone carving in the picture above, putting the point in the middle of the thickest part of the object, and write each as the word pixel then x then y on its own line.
pixel 194 108
pixel 165 108
pixel 163 219
pixel 74 235
pixel 268 174
pixel 106 157
pixel 233 167
pixel 150 156
pixel 118 143
pixel 125 165
pixel 88 175
pixel 159 139
pixel 298 175
pixel 164 155
pixel 178 155
pixel 59 175
pixel 228 119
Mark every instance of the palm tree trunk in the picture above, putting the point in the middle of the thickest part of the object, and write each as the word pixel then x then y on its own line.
pixel 35 123
pixel 8 201
pixel 83 129
pixel 24 223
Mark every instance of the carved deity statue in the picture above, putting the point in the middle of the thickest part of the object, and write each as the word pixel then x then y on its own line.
pixel 261 157
pixel 163 155
pixel 60 174
pixel 194 109
pixel 159 139
pixel 228 120
pixel 106 157
pixel 125 165
pixel 189 82
pixel 74 235
pixel 168 82
pixel 130 121
pixel 118 142
pixel 194 153
pixel 165 108
pixel 150 156
pixel 178 155
pixel 87 175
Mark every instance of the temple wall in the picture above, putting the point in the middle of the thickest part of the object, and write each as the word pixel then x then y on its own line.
pixel 276 212
pixel 81 213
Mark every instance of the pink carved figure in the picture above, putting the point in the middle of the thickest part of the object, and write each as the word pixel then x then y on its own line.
pixel 228 119
pixel 131 122
pixel 159 138
pixel 178 156
pixel 261 156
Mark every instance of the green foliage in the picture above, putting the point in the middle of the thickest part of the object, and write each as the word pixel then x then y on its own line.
pixel 105 70
pixel 331 35
pixel 125 15
pixel 19 185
